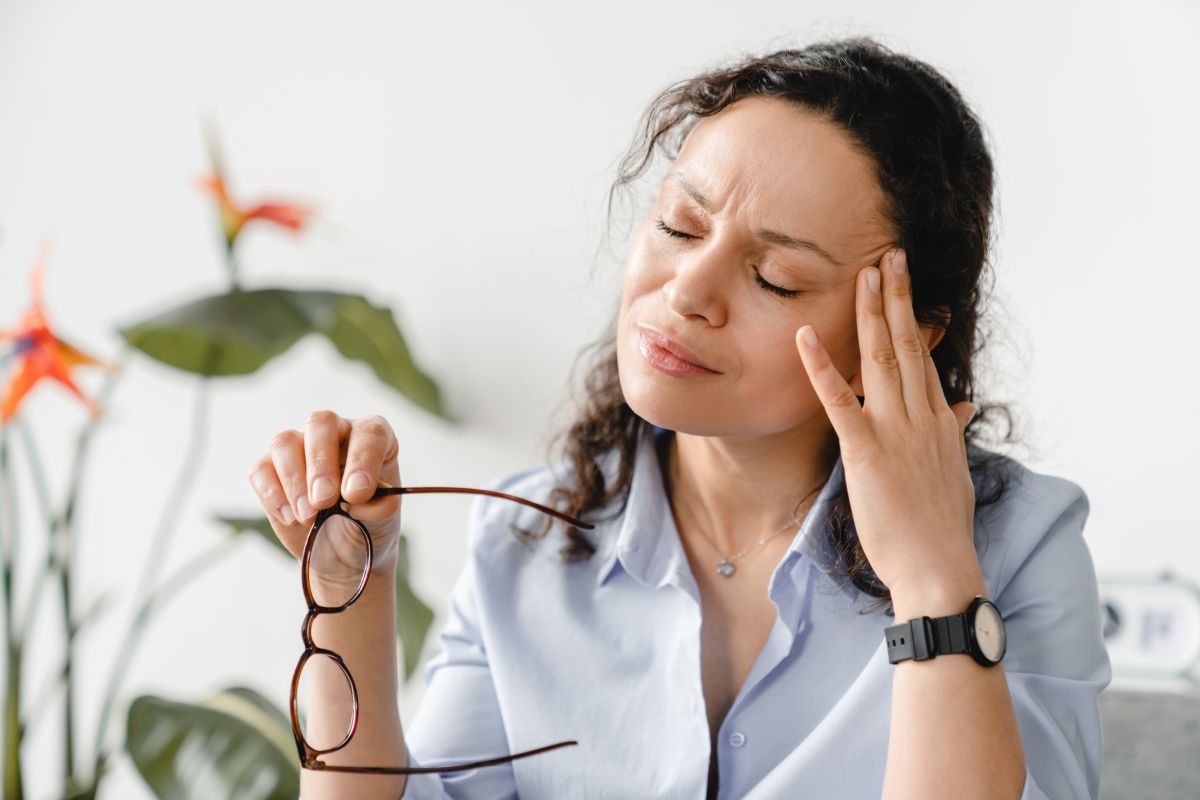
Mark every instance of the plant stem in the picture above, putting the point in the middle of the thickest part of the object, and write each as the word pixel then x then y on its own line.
pixel 52 525
pixel 175 501
pixel 158 547
pixel 14 784
pixel 168 588
pixel 61 552
pixel 64 588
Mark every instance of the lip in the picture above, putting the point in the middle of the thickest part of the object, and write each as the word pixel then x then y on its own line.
pixel 670 356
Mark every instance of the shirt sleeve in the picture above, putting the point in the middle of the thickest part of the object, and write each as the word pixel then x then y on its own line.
pixel 1056 663
pixel 459 717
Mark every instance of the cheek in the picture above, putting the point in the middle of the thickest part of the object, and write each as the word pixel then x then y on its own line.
pixel 839 337
pixel 641 282
pixel 641 274
pixel 772 353
pixel 776 360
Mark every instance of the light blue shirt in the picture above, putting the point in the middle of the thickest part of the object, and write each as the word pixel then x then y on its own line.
pixel 537 650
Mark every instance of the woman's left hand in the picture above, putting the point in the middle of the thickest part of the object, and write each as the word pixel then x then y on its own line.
pixel 903 451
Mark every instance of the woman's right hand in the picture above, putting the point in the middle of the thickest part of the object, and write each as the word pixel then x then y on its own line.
pixel 303 472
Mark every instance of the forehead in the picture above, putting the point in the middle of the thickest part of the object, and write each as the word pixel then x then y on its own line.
pixel 788 168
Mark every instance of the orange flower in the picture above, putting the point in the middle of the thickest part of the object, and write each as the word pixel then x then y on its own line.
pixel 234 217
pixel 41 354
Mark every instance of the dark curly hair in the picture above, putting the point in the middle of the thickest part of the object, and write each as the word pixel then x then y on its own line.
pixel 936 174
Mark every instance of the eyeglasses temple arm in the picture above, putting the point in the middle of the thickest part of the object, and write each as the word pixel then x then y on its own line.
pixel 383 491
pixel 323 767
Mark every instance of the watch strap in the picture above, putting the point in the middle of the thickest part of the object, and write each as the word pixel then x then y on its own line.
pixel 922 638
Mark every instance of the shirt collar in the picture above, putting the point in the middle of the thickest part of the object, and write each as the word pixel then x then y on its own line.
pixel 646 543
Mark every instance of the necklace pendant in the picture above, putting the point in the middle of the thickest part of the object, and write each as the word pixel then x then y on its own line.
pixel 725 568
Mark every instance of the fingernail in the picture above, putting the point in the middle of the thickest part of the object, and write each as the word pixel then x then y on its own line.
pixel 898 263
pixel 873 279
pixel 322 489
pixel 810 336
pixel 285 511
pixel 357 480
pixel 304 509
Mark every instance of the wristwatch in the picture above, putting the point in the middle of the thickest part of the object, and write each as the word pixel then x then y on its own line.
pixel 979 631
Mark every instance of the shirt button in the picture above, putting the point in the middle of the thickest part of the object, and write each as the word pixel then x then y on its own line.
pixel 634 546
pixel 737 739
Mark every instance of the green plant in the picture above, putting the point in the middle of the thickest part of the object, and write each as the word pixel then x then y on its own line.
pixel 234 744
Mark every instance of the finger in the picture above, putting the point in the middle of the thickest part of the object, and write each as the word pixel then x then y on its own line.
pixel 963 413
pixel 933 386
pixel 323 434
pixel 265 483
pixel 287 454
pixel 880 372
pixel 934 390
pixel 841 404
pixel 906 336
pixel 370 458
pixel 270 493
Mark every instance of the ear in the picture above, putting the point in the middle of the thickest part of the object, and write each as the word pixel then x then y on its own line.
pixel 932 334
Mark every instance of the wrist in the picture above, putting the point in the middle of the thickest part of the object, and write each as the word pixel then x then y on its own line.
pixel 939 597
pixel 373 611
pixel 381 586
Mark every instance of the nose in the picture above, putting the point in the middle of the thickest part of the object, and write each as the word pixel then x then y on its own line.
pixel 701 282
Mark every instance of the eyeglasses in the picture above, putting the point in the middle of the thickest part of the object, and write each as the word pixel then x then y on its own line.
pixel 356 558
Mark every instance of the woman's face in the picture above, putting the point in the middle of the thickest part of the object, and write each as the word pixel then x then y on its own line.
pixel 759 164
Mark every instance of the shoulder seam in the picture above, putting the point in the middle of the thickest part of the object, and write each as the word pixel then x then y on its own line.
pixel 1075 494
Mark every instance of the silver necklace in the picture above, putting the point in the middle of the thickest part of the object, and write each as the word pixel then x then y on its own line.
pixel 725 567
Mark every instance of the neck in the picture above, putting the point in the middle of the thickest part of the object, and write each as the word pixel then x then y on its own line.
pixel 742 489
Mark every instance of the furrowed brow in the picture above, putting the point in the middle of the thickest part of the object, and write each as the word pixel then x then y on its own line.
pixel 773 237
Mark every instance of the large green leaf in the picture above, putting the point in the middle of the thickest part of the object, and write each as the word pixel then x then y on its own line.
pixel 258 525
pixel 413 617
pixel 234 745
pixel 237 332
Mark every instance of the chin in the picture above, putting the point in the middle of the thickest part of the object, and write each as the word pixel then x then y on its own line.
pixel 652 399
pixel 664 401
pixel 676 411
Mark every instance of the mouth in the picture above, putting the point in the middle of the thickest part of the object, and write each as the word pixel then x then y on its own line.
pixel 670 356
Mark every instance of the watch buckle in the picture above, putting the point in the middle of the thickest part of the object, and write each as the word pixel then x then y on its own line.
pixel 924 639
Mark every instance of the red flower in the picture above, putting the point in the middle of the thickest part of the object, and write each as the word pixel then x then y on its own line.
pixel 233 217
pixel 41 354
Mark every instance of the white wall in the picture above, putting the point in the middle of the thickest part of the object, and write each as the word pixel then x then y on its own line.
pixel 460 156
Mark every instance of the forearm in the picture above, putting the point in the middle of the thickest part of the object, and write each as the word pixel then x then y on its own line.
pixel 953 731
pixel 364 636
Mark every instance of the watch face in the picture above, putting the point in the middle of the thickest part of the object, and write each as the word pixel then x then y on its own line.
pixel 989 631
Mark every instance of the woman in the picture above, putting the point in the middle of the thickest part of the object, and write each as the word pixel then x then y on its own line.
pixel 766 505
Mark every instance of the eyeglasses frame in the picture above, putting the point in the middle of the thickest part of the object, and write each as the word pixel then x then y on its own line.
pixel 310 756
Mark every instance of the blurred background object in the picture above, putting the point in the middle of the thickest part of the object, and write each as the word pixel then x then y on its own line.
pixel 230 743
pixel 1151 710
pixel 1152 629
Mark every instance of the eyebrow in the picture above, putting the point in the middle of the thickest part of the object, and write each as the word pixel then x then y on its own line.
pixel 774 237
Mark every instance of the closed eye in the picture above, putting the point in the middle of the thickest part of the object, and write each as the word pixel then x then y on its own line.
pixel 770 287
pixel 662 226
